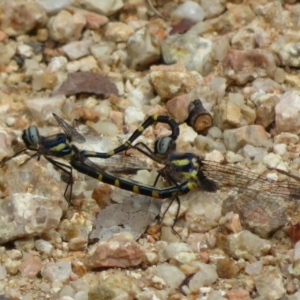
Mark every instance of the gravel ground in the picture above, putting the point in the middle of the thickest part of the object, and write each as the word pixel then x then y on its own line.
pixel 132 59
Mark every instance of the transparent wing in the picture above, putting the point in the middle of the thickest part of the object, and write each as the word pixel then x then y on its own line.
pixel 69 130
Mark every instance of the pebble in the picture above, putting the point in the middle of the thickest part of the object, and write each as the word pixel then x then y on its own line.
pixel 178 107
pixel 180 252
pixel 43 80
pixel 30 267
pixel 103 7
pixel 3 272
pixel 52 7
pixel 254 135
pixel 95 21
pixel 238 294
pixel 141 48
pixel 171 275
pixel 7 52
pixel 265 113
pixel 113 285
pixel 77 49
pixel 132 115
pixel 287 113
pixel 254 60
pixel 121 250
pixel 206 276
pixel 270 283
pixel 35 17
pixel 190 49
pixel 189 10
pixel 246 245
pixel 44 247
pixel 203 212
pixel 254 268
pixel 65 27
pixel 59 271
pixel 212 8
pixel 286 138
pixel 118 32
pixel 272 160
pixel 170 81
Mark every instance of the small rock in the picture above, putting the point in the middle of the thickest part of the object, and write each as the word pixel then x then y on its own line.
pixel 65 27
pixel 212 8
pixel 266 85
pixel 180 252
pixel 190 49
pixel 227 268
pixel 178 107
pixel 14 254
pixel 133 115
pixel 25 50
pixel 118 32
pixel 105 8
pixel 235 17
pixel 203 212
pixel 77 49
pixel 12 266
pixel 143 46
pixel 270 283
pixel 272 160
pixel 238 294
pixel 2 272
pixel 189 10
pixel 120 251
pixel 44 247
pixel 286 138
pixel 171 275
pixel 30 16
pixel 249 64
pixel 245 38
pixel 265 112
pixel 52 7
pixel 294 296
pixel 246 245
pixel 287 113
pixel 254 268
pixel 254 135
pixel 44 80
pixel 57 64
pixel 170 81
pixel 205 277
pixel 59 271
pixel 95 21
pixel 7 52
pixel 30 267
pixel 233 113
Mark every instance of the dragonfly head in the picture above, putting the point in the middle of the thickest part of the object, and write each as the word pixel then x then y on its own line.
pixel 164 145
pixel 31 136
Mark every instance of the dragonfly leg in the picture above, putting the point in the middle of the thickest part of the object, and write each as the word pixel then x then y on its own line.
pixel 66 169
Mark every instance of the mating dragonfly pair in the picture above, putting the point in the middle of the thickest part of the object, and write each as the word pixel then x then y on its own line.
pixel 183 171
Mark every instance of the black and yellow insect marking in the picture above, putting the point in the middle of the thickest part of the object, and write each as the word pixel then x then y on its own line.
pixel 83 165
pixel 162 146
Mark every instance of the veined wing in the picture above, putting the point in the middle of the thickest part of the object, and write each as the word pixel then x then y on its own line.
pixel 72 134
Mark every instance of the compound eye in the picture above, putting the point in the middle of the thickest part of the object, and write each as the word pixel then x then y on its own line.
pixel 31 136
pixel 164 145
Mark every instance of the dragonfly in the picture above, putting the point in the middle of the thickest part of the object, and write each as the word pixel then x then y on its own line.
pixel 59 146
pixel 254 197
